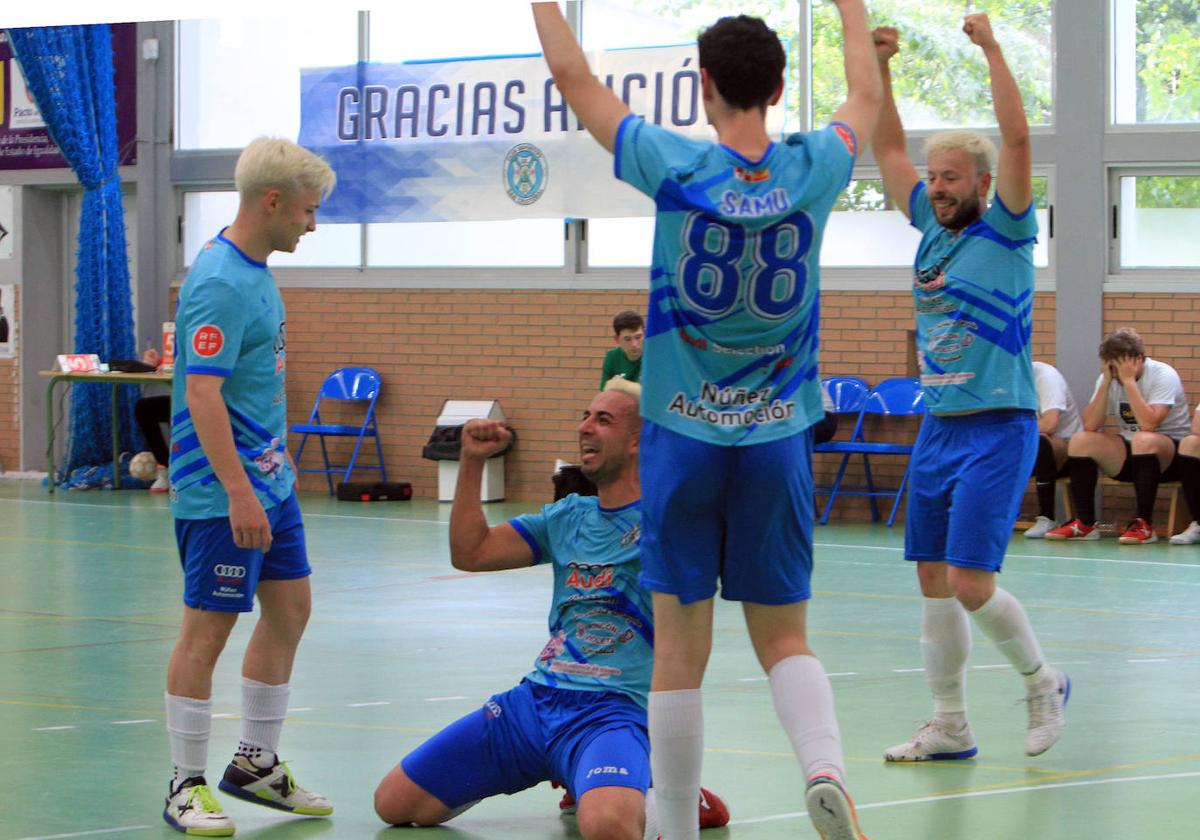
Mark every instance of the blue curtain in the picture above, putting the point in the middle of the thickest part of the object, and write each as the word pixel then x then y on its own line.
pixel 69 71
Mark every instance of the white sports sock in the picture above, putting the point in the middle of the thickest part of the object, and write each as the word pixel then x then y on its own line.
pixel 189 724
pixel 1003 620
pixel 652 830
pixel 804 704
pixel 263 709
pixel 676 720
pixel 945 646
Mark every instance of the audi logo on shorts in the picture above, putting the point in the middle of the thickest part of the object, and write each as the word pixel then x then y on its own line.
pixel 230 572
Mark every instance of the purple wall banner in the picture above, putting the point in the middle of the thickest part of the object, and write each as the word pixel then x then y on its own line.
pixel 24 141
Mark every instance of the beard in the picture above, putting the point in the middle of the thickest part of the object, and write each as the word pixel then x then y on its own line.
pixel 966 212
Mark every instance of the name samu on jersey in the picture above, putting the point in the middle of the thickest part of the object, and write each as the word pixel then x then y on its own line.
pixel 731 332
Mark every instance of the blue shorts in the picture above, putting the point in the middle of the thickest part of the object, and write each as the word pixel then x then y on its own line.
pixel 217 575
pixel 740 514
pixel 968 479
pixel 532 734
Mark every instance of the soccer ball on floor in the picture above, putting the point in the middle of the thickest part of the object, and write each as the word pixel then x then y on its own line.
pixel 143 466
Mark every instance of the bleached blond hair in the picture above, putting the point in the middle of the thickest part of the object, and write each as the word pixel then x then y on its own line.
pixel 271 162
pixel 624 386
pixel 981 150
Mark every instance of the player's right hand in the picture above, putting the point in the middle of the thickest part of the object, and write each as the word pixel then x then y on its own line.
pixel 249 523
pixel 481 439
pixel 887 42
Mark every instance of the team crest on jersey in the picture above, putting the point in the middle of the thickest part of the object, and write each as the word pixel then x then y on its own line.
pixel 208 340
pixel 631 536
pixel 525 173
pixel 751 176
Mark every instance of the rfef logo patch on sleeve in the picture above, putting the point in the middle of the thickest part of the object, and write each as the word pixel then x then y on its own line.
pixel 847 137
pixel 208 340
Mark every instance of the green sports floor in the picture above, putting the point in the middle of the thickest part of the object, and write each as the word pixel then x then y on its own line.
pixel 401 644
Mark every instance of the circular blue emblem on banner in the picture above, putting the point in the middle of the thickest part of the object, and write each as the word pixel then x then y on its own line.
pixel 525 173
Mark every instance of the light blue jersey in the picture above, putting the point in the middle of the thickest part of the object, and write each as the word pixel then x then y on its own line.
pixel 974 300
pixel 731 333
pixel 230 324
pixel 601 633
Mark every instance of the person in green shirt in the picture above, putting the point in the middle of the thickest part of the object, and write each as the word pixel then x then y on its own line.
pixel 629 333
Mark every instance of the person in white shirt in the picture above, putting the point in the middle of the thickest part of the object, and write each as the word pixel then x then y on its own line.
pixel 1187 464
pixel 1058 420
pixel 1146 399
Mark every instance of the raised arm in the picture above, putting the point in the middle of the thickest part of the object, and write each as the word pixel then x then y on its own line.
pixel 475 547
pixel 864 90
pixel 899 175
pixel 598 108
pixel 1014 182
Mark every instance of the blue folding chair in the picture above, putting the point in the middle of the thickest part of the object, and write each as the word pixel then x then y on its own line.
pixel 899 397
pixel 350 384
pixel 847 393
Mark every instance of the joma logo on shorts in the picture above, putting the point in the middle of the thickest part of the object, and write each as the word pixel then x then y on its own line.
pixel 607 770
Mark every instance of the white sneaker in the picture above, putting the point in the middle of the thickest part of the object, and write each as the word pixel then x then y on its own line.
pixel 934 742
pixel 1039 529
pixel 1047 717
pixel 161 483
pixel 1189 535
pixel 831 809
pixel 273 787
pixel 192 809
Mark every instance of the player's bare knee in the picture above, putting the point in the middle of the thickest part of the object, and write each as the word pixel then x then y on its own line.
pixel 610 823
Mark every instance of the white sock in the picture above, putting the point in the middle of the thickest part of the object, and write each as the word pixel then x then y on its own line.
pixel 804 704
pixel 189 724
pixel 263 709
pixel 1004 621
pixel 652 830
pixel 676 720
pixel 945 646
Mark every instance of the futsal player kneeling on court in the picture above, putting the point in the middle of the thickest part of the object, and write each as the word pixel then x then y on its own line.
pixel 976 450
pixel 580 715
pixel 237 520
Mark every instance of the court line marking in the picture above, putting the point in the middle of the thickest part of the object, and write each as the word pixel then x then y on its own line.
pixel 53 728
pixel 975 794
pixel 370 703
pixel 131 722
pixel 88 833
pixel 440 699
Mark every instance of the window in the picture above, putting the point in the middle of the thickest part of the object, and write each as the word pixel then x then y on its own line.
pixel 206 213
pixel 939 78
pixel 1156 61
pixel 1158 219
pixel 409 32
pixel 239 78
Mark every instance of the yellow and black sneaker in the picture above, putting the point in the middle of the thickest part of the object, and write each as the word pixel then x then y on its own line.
pixel 273 787
pixel 192 809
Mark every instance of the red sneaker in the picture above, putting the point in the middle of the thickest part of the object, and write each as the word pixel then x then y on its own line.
pixel 1139 532
pixel 1074 530
pixel 714 813
pixel 566 805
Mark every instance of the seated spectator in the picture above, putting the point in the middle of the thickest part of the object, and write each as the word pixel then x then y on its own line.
pixel 1187 464
pixel 1146 399
pixel 629 331
pixel 1058 421
pixel 151 413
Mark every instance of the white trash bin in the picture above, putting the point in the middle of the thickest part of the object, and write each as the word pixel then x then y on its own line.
pixel 457 413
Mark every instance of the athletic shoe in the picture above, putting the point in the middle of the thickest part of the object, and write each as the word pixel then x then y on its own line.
pixel 1074 530
pixel 1039 529
pixel 1047 707
pixel 1139 532
pixel 161 483
pixel 831 809
pixel 714 813
pixel 273 787
pixel 567 804
pixel 1189 535
pixel 192 809
pixel 934 742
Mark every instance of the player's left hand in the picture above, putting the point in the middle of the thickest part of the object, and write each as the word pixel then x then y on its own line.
pixel 979 29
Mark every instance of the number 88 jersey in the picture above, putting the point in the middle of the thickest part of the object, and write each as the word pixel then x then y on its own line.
pixel 731 331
